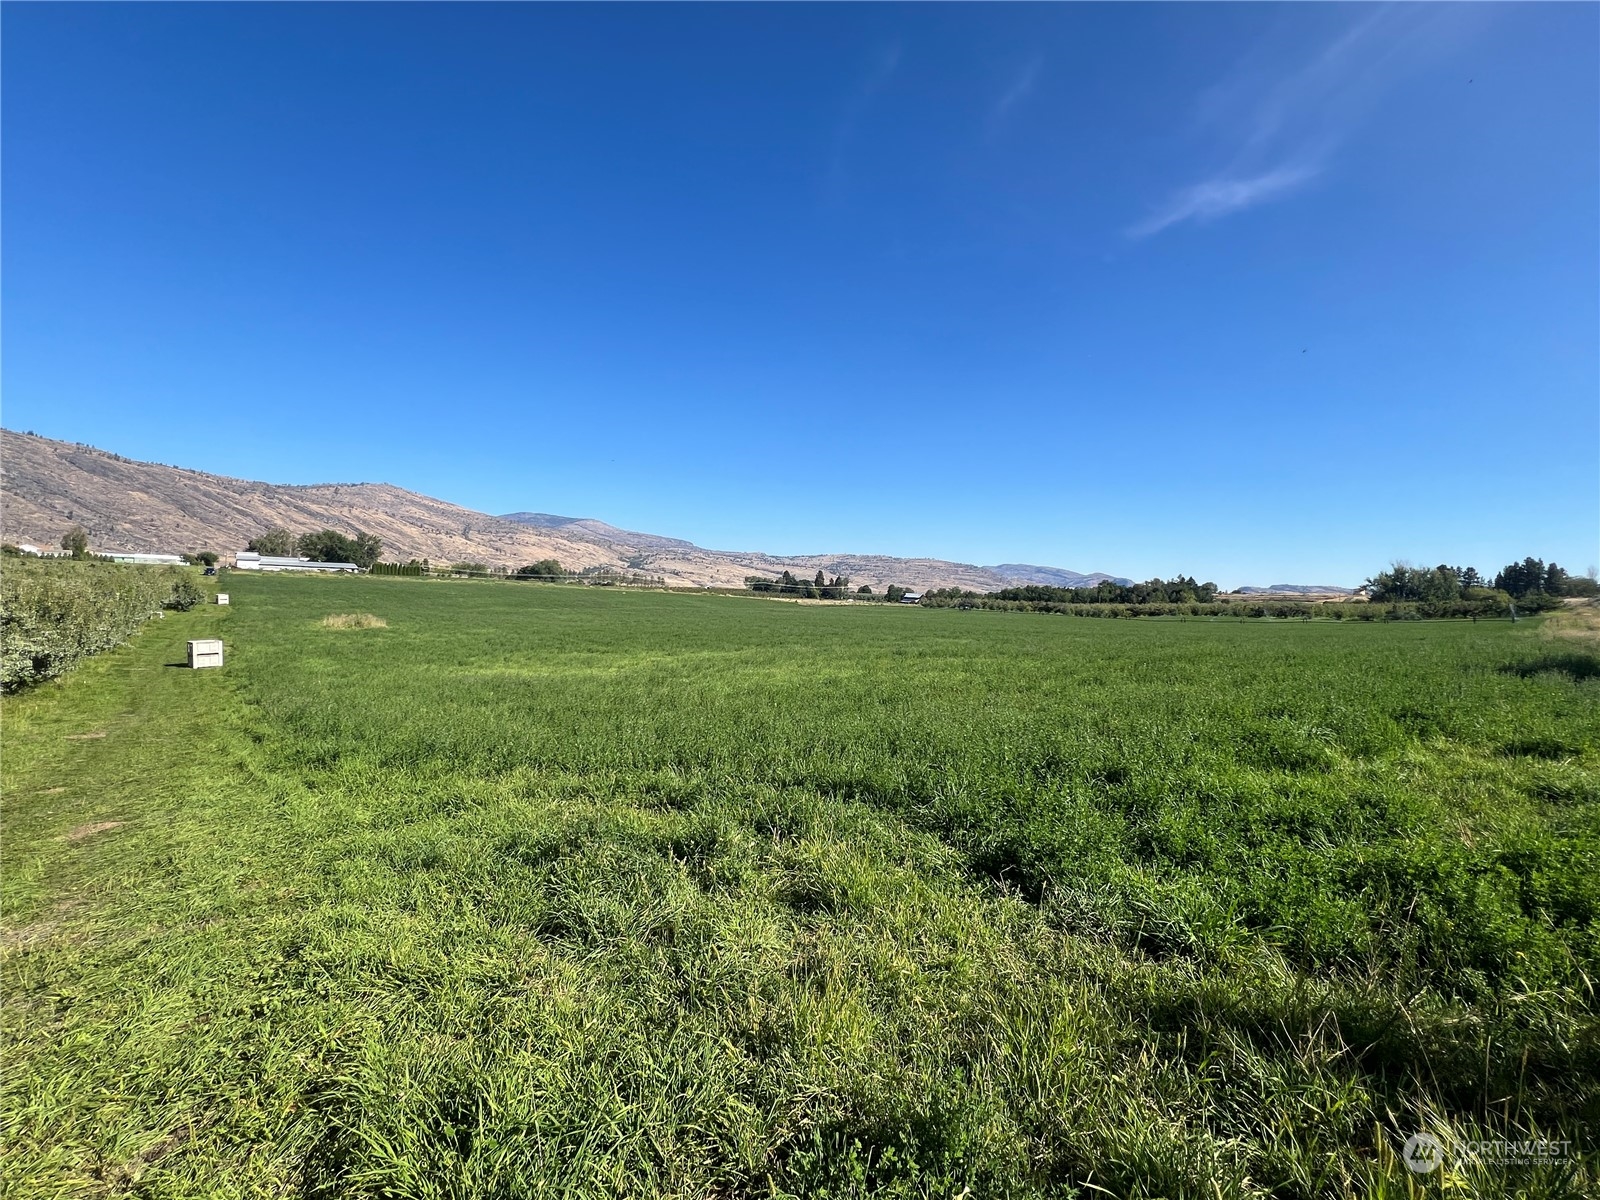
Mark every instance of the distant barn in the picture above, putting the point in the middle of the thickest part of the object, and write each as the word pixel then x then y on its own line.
pixel 249 560
pixel 911 598
pixel 153 560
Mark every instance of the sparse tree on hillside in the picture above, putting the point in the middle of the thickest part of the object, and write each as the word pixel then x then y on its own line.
pixel 1180 589
pixel 1523 578
pixel 276 541
pixel 787 585
pixel 326 545
pixel 366 550
pixel 1586 584
pixel 546 570
pixel 1403 583
pixel 75 542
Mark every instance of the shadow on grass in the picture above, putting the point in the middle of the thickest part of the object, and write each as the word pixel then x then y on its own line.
pixel 1577 665
pixel 1540 747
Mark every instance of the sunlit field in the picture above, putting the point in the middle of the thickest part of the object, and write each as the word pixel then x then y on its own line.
pixel 497 889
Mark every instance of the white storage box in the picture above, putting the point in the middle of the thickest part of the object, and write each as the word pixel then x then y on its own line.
pixel 205 652
pixel 222 597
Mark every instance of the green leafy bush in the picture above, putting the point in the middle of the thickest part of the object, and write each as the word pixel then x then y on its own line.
pixel 277 541
pixel 54 613
pixel 416 567
pixel 186 593
pixel 547 570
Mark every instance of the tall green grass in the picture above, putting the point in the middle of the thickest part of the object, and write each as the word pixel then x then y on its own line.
pixel 579 891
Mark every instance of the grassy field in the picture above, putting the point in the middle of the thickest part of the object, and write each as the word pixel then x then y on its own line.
pixel 533 890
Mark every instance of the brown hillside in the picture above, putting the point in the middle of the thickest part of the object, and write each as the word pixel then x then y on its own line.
pixel 127 505
pixel 49 486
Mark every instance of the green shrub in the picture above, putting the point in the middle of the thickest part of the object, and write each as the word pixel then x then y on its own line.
pixel 546 570
pixel 54 612
pixel 414 568
pixel 186 593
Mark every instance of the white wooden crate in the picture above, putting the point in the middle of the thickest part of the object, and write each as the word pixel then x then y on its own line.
pixel 205 652
pixel 222 597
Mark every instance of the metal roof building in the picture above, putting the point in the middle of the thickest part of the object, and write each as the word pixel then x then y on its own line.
pixel 249 560
pixel 135 556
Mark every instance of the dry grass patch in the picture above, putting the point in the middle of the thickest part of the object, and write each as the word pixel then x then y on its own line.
pixel 1577 622
pixel 46 928
pixel 353 621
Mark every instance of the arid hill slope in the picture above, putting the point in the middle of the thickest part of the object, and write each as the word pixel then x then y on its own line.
pixel 126 505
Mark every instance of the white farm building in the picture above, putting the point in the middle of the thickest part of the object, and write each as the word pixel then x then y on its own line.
pixel 249 560
pixel 150 560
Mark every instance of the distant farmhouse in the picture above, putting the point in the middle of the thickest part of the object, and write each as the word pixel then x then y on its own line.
pixel 153 560
pixel 249 560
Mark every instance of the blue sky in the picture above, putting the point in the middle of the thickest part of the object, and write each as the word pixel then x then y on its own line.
pixel 1263 294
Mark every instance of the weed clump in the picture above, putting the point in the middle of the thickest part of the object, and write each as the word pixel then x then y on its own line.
pixel 353 621
pixel 186 593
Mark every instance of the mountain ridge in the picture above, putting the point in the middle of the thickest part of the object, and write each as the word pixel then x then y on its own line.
pixel 1026 573
pixel 125 504
pixel 1295 589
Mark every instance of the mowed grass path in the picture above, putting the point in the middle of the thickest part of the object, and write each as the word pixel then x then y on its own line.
pixel 546 890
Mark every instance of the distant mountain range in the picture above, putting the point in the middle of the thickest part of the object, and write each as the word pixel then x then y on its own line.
pixel 858 567
pixel 127 505
pixel 587 528
pixel 1021 573
pixel 1296 589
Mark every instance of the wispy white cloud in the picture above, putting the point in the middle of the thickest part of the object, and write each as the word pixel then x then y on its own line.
pixel 1017 90
pixel 1213 198
pixel 856 104
pixel 1274 131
